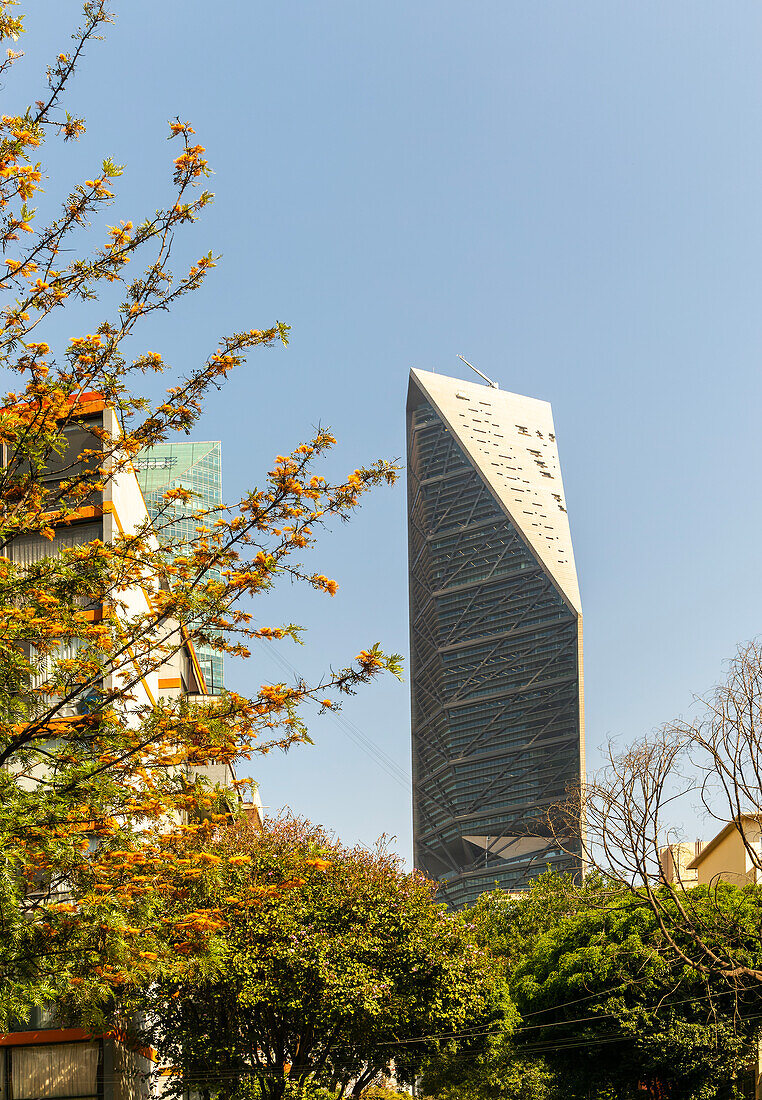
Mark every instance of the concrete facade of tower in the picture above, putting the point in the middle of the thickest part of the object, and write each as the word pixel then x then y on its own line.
pixel 495 637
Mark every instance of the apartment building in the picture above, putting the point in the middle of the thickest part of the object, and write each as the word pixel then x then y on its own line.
pixel 41 1058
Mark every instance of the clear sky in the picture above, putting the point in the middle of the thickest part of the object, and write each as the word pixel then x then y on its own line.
pixel 569 195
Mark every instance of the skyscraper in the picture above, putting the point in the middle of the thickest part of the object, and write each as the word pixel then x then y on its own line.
pixel 495 635
pixel 197 467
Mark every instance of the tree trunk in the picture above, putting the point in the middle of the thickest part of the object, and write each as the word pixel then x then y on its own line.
pixel 272 1088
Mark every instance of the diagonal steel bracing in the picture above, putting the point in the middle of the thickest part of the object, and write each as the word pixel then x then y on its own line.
pixel 495 679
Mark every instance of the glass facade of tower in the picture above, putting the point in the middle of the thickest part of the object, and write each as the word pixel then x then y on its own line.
pixel 494 678
pixel 198 468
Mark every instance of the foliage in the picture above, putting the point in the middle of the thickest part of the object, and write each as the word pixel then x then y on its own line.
pixel 606 1009
pixel 93 804
pixel 631 806
pixel 487 1069
pixel 491 1065
pixel 333 963
pixel 383 1092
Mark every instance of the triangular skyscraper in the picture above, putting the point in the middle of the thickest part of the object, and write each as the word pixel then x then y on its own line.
pixel 496 637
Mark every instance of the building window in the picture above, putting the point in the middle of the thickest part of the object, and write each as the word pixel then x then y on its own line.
pixel 54 1069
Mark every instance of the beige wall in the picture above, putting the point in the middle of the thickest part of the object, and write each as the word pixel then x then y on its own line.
pixel 674 861
pixel 729 860
pixel 125 512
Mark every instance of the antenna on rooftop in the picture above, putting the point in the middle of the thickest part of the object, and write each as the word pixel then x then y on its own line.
pixel 489 381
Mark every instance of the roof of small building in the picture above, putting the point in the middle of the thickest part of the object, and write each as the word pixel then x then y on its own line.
pixel 725 832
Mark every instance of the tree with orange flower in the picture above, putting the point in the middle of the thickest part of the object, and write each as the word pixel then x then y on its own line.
pixel 98 782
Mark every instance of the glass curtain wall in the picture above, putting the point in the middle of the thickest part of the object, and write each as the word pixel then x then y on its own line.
pixel 198 468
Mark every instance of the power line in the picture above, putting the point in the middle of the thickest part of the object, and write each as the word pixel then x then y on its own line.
pixel 474 1033
pixel 363 742
pixel 541 1047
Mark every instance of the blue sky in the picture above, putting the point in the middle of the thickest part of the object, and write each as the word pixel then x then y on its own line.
pixel 568 194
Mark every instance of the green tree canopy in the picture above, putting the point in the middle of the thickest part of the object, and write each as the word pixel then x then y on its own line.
pixel 334 965
pixel 606 1010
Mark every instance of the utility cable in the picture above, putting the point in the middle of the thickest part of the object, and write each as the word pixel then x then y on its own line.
pixel 363 742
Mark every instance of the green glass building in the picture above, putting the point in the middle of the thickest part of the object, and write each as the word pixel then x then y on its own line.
pixel 198 468
pixel 495 638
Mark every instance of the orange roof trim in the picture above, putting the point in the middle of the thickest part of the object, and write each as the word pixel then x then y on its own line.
pixel 90 402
